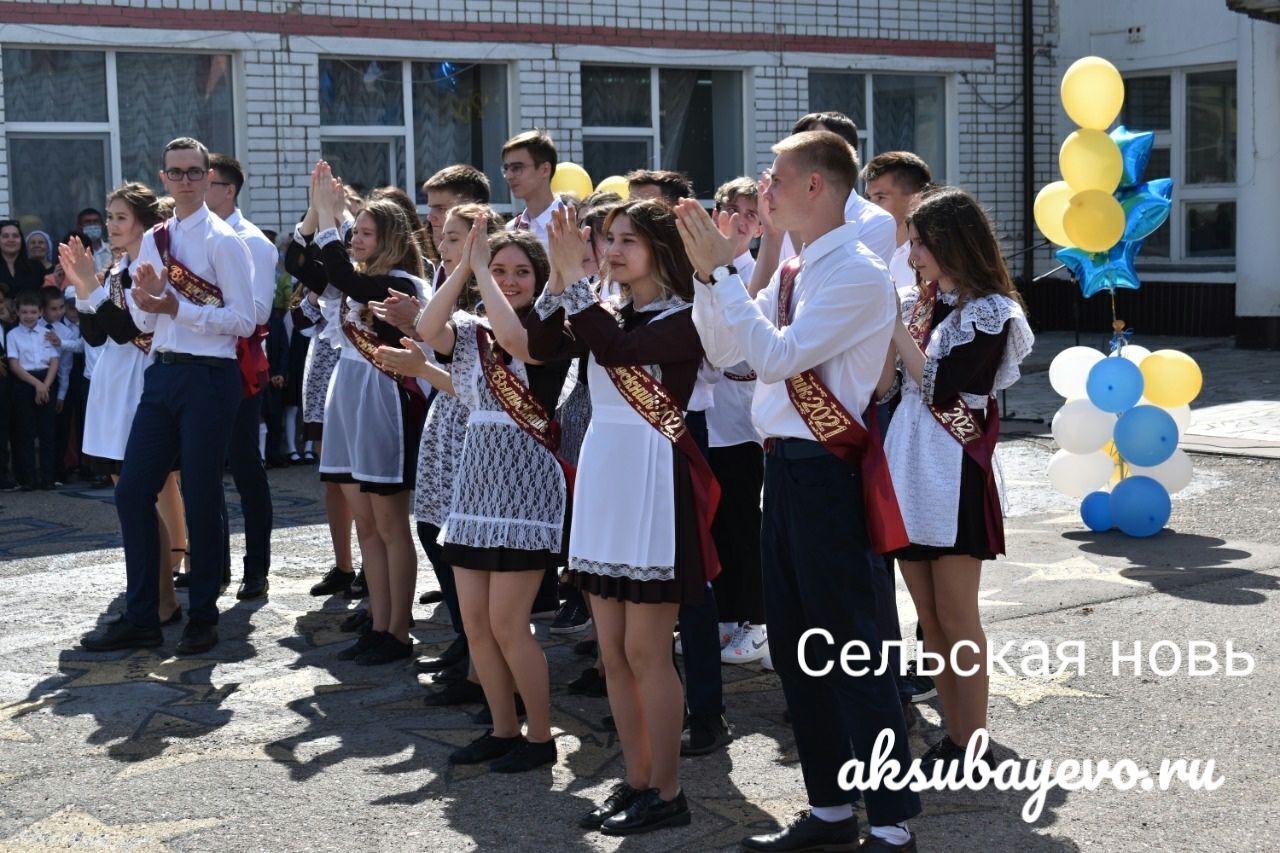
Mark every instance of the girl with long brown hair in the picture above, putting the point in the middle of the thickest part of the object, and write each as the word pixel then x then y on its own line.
pixel 962 335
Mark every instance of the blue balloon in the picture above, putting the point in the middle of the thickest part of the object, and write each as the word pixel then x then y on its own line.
pixel 1140 506
pixel 1096 271
pixel 1146 435
pixel 1095 511
pixel 1135 151
pixel 1146 207
pixel 1114 385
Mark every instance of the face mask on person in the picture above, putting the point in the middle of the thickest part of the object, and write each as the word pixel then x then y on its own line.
pixel 93 232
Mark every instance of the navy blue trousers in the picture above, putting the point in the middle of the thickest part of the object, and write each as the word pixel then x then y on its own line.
pixel 818 573
pixel 185 413
pixel 428 534
pixel 700 626
pixel 250 476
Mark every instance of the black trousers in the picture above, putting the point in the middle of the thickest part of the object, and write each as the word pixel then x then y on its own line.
pixel 428 534
pixel 185 413
pixel 818 574
pixel 34 423
pixel 250 476
pixel 699 627
pixel 740 586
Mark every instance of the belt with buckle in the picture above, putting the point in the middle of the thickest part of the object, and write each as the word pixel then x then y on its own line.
pixel 167 357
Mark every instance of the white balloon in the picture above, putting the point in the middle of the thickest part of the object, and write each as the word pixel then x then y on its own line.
pixel 1134 353
pixel 1069 371
pixel 1078 474
pixel 1182 417
pixel 1173 473
pixel 1081 427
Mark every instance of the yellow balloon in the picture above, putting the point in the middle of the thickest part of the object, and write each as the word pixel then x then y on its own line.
pixel 1092 92
pixel 1051 205
pixel 1170 378
pixel 1110 449
pixel 1094 220
pixel 615 184
pixel 1090 160
pixel 571 179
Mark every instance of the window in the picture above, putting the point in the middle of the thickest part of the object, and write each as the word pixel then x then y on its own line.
pixel 686 120
pixel 397 122
pixel 908 112
pixel 1193 114
pixel 68 143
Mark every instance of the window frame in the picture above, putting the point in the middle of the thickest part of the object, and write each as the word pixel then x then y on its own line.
pixel 405 130
pixel 653 132
pixel 1174 138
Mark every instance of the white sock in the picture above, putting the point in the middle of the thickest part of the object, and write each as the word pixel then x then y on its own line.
pixel 832 814
pixel 290 430
pixel 895 833
pixel 262 440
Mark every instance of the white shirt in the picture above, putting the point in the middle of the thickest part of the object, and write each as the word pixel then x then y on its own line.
pixel 900 269
pixel 875 226
pixel 729 418
pixel 102 257
pixel 211 249
pixel 72 343
pixel 264 256
pixel 538 227
pixel 29 347
pixel 843 312
pixel 91 356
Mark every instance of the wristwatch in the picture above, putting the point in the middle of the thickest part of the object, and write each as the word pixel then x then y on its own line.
pixel 722 272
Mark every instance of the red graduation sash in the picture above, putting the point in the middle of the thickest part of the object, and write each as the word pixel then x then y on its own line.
pixel 841 434
pixel 250 356
pixel 654 403
pixel 115 290
pixel 519 402
pixel 958 420
pixel 367 343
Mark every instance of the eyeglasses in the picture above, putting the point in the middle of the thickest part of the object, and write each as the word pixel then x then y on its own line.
pixel 195 173
pixel 513 168
pixel 749 215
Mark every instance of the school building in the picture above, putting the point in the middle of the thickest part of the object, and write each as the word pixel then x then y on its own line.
pixel 391 90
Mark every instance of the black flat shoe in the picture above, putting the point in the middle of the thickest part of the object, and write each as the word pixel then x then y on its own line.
pixel 705 734
pixel 456 671
pixel 366 643
pixel 431 596
pixel 455 693
pixel 485 748
pixel 122 634
pixel 525 757
pixel 389 650
pixel 619 798
pixel 182 580
pixel 647 813
pixel 251 588
pixel 806 832
pixel 456 651
pixel 334 581
pixel 174 618
pixel 590 683
pixel 198 637
pixel 355 621
pixel 359 588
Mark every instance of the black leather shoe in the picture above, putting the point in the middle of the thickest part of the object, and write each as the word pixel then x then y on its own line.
pixel 485 748
pixel 705 734
pixel 431 596
pixel 456 651
pixel 807 832
pixel 182 580
pixel 647 813
pixel 456 671
pixel 872 844
pixel 359 588
pixel 525 757
pixel 619 798
pixel 334 581
pixel 122 634
pixel 590 683
pixel 251 588
pixel 366 643
pixel 389 650
pixel 355 621
pixel 174 618
pixel 455 693
pixel 198 637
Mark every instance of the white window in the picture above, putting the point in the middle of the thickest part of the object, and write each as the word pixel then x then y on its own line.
pixel 679 119
pixel 69 143
pixel 1193 114
pixel 399 122
pixel 893 112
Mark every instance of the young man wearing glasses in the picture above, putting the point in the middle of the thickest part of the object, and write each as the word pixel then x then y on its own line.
pixel 193 290
pixel 226 178
pixel 528 162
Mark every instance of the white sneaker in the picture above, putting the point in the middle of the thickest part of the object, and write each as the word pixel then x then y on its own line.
pixel 749 645
pixel 767 661
pixel 727 631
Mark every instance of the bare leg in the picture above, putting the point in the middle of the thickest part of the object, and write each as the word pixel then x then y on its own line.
pixel 391 514
pixel 955 583
pixel 624 694
pixel 496 680
pixel 173 518
pixel 374 553
pixel 168 594
pixel 918 576
pixel 339 516
pixel 511 597
pixel 648 645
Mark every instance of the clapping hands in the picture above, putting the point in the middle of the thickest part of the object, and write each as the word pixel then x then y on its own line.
pixel 569 247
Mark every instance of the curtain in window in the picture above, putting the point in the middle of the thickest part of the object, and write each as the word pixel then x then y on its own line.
pixel 55 85
pixel 615 96
pixel 358 91
pixel 51 180
pixel 676 97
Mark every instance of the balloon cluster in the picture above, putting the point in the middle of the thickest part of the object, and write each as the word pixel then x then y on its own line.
pixel 1101 211
pixel 573 180
pixel 1119 429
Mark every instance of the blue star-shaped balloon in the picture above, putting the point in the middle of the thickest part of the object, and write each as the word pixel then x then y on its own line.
pixel 1095 271
pixel 1135 151
pixel 1146 207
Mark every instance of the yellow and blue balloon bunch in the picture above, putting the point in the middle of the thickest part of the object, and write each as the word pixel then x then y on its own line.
pixel 1119 432
pixel 1101 211
pixel 572 180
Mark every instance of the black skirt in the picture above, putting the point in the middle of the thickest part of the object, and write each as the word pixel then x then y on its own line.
pixel 971 521
pixel 500 559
